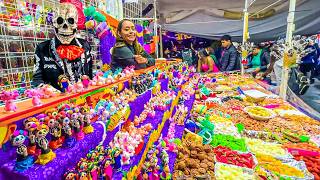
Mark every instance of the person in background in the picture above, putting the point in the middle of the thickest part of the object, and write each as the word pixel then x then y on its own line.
pixel 258 59
pixel 127 51
pixel 175 53
pixel 206 63
pixel 211 52
pixel 310 61
pixel 229 60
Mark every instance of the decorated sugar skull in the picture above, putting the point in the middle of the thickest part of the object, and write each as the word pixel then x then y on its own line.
pixel 65 22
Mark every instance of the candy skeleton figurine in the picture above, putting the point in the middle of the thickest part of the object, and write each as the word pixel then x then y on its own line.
pixel 23 160
pixel 67 133
pixel 47 154
pixel 63 82
pixel 87 128
pixel 31 125
pixel 55 131
pixel 75 124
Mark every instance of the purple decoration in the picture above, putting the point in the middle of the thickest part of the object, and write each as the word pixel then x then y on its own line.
pixel 139 29
pixel 106 43
pixel 65 159
pixel 137 106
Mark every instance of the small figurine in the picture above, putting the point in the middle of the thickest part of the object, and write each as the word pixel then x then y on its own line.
pixel 75 124
pixel 31 125
pixel 85 81
pixel 71 175
pixel 23 160
pixel 55 131
pixel 63 81
pixel 87 127
pixel 8 97
pixel 70 141
pixel 98 80
pixel 47 154
pixel 107 170
pixel 35 94
pixel 116 155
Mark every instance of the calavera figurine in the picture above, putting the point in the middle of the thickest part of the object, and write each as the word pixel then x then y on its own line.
pixel 23 160
pixel 65 22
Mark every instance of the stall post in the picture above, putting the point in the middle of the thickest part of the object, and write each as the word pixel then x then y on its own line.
pixel 245 34
pixel 155 29
pixel 285 69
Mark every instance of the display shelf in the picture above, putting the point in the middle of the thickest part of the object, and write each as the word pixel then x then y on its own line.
pixel 26 109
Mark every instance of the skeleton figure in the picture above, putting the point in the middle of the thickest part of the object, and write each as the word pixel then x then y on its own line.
pixel 65 23
pixel 50 61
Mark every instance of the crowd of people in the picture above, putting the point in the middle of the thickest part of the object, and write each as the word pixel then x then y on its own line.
pixel 265 60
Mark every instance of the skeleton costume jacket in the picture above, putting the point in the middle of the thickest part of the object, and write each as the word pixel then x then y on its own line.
pixel 48 66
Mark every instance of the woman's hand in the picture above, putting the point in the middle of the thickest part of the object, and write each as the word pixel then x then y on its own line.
pixel 140 59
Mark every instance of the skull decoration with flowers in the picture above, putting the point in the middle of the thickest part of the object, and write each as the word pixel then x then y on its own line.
pixel 65 22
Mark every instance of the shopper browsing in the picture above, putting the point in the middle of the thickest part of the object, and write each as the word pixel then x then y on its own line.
pixel 127 51
pixel 229 60
pixel 258 59
pixel 206 63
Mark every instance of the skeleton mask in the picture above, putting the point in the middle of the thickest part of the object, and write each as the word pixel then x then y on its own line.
pixel 65 23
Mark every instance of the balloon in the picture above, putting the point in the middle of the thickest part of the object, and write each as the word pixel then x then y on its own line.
pixel 89 11
pixel 99 17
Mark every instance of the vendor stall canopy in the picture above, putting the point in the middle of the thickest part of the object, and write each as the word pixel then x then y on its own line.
pixel 213 18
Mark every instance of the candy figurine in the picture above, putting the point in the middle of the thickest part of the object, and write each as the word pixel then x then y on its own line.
pixel 75 124
pixel 107 171
pixel 63 82
pixel 71 175
pixel 23 160
pixel 55 131
pixel 116 154
pixel 47 154
pixel 31 125
pixel 85 81
pixel 35 94
pixel 70 141
pixel 8 97
pixel 87 127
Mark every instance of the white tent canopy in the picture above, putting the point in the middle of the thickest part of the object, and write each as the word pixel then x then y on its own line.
pixel 213 18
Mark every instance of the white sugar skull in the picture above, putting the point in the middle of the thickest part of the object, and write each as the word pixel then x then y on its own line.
pixel 65 22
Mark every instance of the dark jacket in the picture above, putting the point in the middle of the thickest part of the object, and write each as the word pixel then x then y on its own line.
pixel 230 61
pixel 124 56
pixel 311 57
pixel 264 58
pixel 48 66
